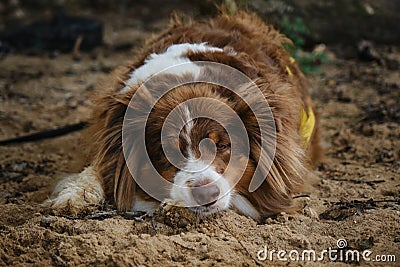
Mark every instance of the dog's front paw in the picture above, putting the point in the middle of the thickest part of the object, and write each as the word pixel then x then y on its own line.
pixel 76 193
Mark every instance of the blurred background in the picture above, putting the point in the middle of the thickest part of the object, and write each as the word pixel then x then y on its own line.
pixel 120 24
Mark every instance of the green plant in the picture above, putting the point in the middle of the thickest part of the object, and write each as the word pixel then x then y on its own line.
pixel 296 30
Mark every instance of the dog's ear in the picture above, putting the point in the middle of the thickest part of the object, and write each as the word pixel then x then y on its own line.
pixel 124 186
pixel 274 150
pixel 126 148
pixel 281 174
pixel 108 160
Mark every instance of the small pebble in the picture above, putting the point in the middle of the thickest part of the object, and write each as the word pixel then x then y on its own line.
pixel 145 236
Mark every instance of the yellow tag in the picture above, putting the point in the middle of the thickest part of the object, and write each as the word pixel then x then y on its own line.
pixel 288 70
pixel 307 122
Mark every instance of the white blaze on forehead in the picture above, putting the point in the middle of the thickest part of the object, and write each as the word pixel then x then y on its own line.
pixel 188 122
pixel 173 56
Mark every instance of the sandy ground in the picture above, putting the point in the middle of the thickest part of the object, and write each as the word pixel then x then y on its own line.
pixel 360 115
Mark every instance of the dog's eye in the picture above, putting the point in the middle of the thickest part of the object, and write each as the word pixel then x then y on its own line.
pixel 222 147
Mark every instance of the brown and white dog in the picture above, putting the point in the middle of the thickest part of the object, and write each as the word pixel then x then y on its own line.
pixel 241 41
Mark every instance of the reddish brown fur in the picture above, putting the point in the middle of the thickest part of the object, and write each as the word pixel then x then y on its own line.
pixel 261 56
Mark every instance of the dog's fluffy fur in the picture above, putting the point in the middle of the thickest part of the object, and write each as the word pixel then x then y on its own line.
pixel 240 40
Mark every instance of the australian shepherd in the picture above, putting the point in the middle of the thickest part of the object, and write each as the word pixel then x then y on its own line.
pixel 179 122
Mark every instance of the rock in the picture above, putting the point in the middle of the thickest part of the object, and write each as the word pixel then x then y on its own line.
pixel 366 243
pixel 58 33
pixel 367 52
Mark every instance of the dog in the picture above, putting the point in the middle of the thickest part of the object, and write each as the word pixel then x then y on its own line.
pixel 210 173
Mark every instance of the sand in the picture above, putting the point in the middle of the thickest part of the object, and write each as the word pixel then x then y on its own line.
pixel 360 116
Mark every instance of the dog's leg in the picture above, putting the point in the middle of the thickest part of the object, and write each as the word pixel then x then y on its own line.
pixel 76 192
pixel 145 206
pixel 243 206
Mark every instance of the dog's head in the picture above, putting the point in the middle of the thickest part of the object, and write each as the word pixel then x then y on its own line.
pixel 209 149
pixel 194 141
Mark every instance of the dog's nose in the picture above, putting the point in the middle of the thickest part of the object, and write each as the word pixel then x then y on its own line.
pixel 206 195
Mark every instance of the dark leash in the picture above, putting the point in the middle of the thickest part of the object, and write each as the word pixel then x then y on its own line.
pixel 45 134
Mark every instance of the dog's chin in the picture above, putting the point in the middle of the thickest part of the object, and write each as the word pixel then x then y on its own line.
pixel 209 210
pixel 206 211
